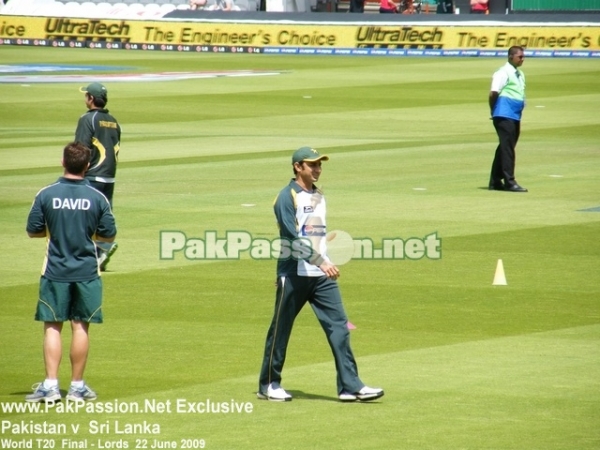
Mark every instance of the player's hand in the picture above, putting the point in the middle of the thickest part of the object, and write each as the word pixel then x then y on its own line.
pixel 330 270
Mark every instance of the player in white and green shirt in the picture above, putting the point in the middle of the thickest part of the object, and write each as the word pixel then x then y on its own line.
pixel 306 274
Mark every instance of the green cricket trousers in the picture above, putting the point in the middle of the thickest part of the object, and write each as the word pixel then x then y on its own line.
pixel 324 297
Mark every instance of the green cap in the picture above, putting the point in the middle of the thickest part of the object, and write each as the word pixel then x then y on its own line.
pixel 96 90
pixel 308 154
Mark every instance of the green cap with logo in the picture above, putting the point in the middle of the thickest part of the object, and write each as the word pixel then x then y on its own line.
pixel 308 154
pixel 96 90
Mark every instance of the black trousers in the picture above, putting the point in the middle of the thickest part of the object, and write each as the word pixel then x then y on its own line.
pixel 503 167
pixel 357 6
pixel 107 189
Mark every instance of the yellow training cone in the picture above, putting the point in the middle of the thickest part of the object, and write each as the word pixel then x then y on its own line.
pixel 499 277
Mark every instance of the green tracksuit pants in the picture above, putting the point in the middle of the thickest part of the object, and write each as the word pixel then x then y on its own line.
pixel 324 297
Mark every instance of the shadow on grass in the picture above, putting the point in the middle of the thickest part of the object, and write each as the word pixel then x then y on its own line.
pixel 63 394
pixel 300 395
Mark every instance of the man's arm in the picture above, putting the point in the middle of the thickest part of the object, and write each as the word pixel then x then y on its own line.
pixel 84 131
pixel 286 215
pixel 499 81
pixel 36 221
pixel 106 230
pixel 330 270
pixel 493 98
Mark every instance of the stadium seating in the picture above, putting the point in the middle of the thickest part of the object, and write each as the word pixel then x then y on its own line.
pixel 372 6
pixel 118 9
pixel 148 9
pixel 166 8
pixel 83 9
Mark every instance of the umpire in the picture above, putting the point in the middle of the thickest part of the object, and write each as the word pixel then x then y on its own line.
pixel 507 101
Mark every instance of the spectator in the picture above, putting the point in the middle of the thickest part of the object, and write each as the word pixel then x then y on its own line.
pixel 197 4
pixel 445 7
pixel 357 6
pixel 223 5
pixel 479 7
pixel 387 7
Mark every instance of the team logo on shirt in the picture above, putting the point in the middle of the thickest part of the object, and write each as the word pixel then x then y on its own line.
pixel 313 230
pixel 308 209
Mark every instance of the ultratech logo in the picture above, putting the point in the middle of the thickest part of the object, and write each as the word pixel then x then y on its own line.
pixel 87 30
pixel 400 37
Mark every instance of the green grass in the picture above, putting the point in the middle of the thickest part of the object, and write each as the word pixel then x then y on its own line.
pixel 465 365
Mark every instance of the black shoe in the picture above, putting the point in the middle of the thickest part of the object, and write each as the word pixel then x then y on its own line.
pixel 515 188
pixel 496 187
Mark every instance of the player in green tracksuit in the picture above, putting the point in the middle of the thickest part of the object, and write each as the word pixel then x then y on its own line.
pixel 306 274
pixel 101 133
pixel 70 214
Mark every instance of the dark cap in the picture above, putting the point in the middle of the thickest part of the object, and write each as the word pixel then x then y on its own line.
pixel 96 90
pixel 308 154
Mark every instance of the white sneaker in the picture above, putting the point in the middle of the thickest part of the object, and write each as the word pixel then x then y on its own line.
pixel 369 393
pixel 365 394
pixel 347 397
pixel 275 393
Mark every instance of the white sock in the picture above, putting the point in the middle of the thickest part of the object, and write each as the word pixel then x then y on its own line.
pixel 77 384
pixel 48 383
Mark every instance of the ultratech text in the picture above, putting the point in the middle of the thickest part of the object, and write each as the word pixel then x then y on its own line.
pixel 86 28
pixel 404 35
